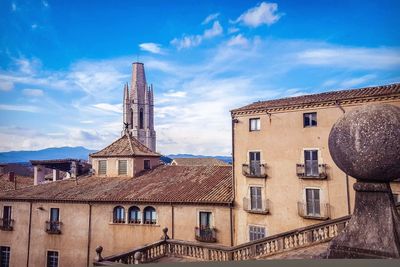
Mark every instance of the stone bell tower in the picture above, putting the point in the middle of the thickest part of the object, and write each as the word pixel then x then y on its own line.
pixel 138 108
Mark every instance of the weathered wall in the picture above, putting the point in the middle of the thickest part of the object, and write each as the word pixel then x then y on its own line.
pixel 281 141
pixel 135 165
pixel 73 242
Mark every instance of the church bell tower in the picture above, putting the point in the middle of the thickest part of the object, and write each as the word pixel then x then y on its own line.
pixel 138 108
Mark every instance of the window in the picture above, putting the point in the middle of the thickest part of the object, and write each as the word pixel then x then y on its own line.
pixel 255 167
pixel 119 215
pixel 4 256
pixel 310 119
pixel 53 225
pixel 134 215
pixel 313 202
pixel 102 167
pixel 311 162
pixel 255 198
pixel 205 220
pixel 150 215
pixel 254 124
pixel 147 165
pixel 122 167
pixel 256 232
pixel 6 220
pixel 141 118
pixel 52 258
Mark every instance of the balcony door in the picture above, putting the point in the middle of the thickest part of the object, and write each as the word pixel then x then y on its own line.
pixel 313 202
pixel 255 198
pixel 311 162
pixel 255 168
pixel 205 220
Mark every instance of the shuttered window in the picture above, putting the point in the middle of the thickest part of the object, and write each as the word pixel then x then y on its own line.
pixel 122 167
pixel 313 202
pixel 311 162
pixel 255 197
pixel 102 167
pixel 52 259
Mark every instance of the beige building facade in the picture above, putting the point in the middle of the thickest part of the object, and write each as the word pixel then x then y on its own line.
pixel 284 175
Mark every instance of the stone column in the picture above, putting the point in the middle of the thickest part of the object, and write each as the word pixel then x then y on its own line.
pixel 365 144
pixel 56 175
pixel 38 174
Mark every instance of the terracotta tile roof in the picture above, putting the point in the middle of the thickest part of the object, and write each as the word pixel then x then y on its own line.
pixel 22 182
pixel 377 91
pixel 127 145
pixel 164 184
pixel 199 162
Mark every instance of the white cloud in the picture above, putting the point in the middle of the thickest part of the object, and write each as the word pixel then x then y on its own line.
pixel 358 81
pixel 264 13
pixel 33 92
pixel 349 57
pixel 233 30
pixel 45 3
pixel 210 17
pixel 34 26
pixel 6 85
pixel 109 107
pixel 214 31
pixel 151 47
pixel 238 40
pixel 24 108
pixel 175 94
pixel 195 40
pixel 13 6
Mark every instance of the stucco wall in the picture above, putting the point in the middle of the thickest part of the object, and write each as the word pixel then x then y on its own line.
pixel 135 165
pixel 281 141
pixel 72 243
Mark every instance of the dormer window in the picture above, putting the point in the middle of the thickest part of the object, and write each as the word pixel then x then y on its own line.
pixel 147 165
pixel 102 167
pixel 122 167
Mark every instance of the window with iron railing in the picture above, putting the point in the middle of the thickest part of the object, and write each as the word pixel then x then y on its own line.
pixel 119 215
pixel 6 222
pixel 262 208
pixel 5 256
pixel 205 234
pixel 134 215
pixel 53 226
pixel 150 215
pixel 254 168
pixel 52 258
pixel 311 168
pixel 313 208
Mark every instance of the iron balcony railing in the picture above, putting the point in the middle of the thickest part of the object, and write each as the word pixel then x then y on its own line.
pixel 150 221
pixel 311 173
pixel 315 210
pixel 205 234
pixel 134 221
pixel 261 207
pixel 53 227
pixel 254 170
pixel 6 224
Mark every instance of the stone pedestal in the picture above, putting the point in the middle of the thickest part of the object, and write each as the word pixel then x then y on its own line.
pixel 374 229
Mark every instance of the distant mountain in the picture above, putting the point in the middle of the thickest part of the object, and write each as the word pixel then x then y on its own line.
pixel 227 159
pixel 78 152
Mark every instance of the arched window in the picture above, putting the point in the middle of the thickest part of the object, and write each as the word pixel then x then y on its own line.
pixel 150 215
pixel 134 215
pixel 119 215
pixel 141 118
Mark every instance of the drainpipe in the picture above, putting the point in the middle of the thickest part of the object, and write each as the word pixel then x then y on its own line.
pixel 89 234
pixel 29 233
pixel 231 222
pixel 172 221
pixel 233 177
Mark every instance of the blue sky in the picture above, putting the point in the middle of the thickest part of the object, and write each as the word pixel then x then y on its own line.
pixel 63 64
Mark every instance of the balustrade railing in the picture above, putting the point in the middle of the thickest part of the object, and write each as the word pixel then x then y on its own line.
pixel 254 170
pixel 306 172
pixel 6 224
pixel 301 237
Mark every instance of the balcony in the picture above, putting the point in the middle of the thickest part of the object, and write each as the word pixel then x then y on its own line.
pixel 311 173
pixel 6 224
pixel 254 170
pixel 317 213
pixel 264 209
pixel 205 234
pixel 53 227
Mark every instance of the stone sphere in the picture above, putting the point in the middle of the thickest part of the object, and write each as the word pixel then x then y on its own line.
pixel 365 143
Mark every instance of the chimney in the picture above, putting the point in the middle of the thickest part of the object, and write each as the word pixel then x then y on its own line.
pixel 11 176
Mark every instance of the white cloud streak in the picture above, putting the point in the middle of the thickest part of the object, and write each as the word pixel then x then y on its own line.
pixel 264 13
pixel 210 18
pixel 23 108
pixel 33 92
pixel 195 40
pixel 151 47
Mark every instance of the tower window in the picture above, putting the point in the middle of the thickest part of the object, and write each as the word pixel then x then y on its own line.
pixel 141 118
